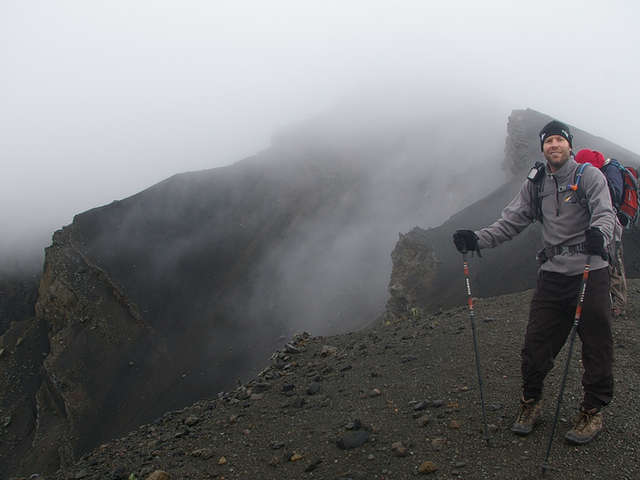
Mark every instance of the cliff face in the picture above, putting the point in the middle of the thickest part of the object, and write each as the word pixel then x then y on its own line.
pixel 427 269
pixel 89 356
pixel 173 294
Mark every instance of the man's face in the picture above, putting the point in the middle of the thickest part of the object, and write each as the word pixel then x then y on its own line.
pixel 556 150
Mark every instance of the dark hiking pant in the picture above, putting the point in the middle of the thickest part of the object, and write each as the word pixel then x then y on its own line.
pixel 553 308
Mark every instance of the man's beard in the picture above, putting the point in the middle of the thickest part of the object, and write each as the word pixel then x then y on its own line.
pixel 559 161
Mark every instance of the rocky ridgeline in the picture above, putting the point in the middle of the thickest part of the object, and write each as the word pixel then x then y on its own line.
pixel 396 400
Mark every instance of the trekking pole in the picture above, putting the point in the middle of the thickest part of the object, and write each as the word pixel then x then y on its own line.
pixel 572 337
pixel 472 317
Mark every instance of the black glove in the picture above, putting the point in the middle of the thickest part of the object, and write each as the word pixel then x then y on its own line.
pixel 466 241
pixel 594 243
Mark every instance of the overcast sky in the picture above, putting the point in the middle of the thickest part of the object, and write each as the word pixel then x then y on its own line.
pixel 99 100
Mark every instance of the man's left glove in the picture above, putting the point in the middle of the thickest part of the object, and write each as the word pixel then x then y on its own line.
pixel 466 241
pixel 594 243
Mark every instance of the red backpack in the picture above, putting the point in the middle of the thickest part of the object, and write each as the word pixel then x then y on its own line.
pixel 628 208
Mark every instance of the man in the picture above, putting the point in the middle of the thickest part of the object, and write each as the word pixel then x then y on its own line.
pixel 574 229
pixel 615 181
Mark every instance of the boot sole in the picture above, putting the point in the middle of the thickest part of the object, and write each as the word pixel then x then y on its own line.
pixel 524 431
pixel 580 441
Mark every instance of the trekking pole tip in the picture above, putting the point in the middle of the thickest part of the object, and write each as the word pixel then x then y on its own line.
pixel 546 467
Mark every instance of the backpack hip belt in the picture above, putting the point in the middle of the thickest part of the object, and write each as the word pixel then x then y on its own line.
pixel 548 253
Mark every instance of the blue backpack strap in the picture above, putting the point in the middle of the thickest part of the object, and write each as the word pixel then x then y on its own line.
pixel 576 180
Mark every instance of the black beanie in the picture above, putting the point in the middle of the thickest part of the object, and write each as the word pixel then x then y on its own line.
pixel 555 127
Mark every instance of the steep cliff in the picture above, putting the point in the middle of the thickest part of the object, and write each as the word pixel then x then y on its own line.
pixel 176 293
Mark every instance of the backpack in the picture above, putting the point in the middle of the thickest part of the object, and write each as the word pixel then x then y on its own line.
pixel 627 204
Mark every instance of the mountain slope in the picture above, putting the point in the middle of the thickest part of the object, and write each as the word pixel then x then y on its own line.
pixel 411 381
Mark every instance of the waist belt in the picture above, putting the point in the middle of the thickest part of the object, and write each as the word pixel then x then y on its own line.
pixel 548 253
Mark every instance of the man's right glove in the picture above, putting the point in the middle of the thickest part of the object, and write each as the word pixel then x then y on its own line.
pixel 466 241
pixel 594 243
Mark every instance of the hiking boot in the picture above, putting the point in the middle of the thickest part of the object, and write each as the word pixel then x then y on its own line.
pixel 530 413
pixel 586 426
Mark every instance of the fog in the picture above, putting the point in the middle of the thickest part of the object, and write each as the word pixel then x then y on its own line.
pixel 100 100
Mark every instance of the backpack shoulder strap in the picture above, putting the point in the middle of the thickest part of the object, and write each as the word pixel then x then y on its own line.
pixel 578 176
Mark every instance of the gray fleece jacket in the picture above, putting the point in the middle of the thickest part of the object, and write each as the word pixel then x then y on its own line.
pixel 566 215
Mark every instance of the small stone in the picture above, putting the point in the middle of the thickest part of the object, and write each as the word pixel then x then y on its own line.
pixel 375 393
pixel 353 439
pixel 2 350
pixel 275 460
pixel 158 475
pixel 345 368
pixel 460 464
pixel 256 396
pixel 398 449
pixel 313 388
pixel 423 421
pixel 454 425
pixel 261 387
pixel 205 453
pixel 191 420
pixel 291 349
pixel 222 461
pixel 438 443
pixel 328 350
pixel 408 358
pixel 6 421
pixel 437 403
pixel 355 425
pixel 295 457
pixel 276 445
pixel 181 433
pixel 421 405
pixel 427 467
pixel 313 465
pixel 288 387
